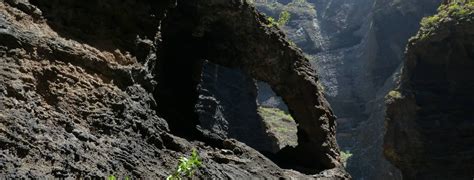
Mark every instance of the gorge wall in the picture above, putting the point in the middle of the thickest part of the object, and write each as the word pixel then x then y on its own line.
pixel 95 88
pixel 429 115
pixel 357 49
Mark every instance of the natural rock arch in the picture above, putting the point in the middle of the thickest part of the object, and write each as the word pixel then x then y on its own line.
pixel 225 32
pixel 233 35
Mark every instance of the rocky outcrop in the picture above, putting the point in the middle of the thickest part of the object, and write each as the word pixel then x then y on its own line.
pixel 429 116
pixel 106 87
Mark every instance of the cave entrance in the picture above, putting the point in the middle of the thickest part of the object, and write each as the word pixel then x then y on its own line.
pixel 178 73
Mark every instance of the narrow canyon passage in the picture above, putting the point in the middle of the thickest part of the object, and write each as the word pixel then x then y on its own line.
pixel 237 89
pixel 357 50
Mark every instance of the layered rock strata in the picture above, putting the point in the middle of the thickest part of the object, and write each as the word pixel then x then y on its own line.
pixel 106 87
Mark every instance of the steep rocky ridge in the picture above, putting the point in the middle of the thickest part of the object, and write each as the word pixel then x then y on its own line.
pixel 93 88
pixel 356 47
pixel 429 115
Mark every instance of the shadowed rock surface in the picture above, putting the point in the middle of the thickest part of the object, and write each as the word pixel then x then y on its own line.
pixel 227 107
pixel 220 41
pixel 93 88
pixel 430 122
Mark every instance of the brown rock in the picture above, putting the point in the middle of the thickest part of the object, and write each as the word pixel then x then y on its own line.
pixel 91 89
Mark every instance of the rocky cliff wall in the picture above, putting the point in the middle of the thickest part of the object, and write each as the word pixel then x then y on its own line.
pixel 357 47
pixel 429 116
pixel 94 88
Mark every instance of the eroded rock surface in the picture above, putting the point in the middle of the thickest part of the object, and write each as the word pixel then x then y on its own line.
pixel 220 41
pixel 429 115
pixel 103 87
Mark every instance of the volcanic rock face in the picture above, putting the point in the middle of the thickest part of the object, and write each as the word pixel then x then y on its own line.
pixel 69 108
pixel 221 42
pixel 430 126
pixel 92 88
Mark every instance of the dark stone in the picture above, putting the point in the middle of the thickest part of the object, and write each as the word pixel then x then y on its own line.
pixel 85 94
pixel 430 122
pixel 227 107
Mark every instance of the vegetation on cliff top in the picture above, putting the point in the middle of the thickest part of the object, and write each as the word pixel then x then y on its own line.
pixel 456 9
pixel 345 155
pixel 282 19
pixel 294 8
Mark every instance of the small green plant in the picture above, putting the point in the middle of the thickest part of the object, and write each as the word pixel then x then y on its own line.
pixel 282 19
pixel 272 21
pixel 395 94
pixel 112 177
pixel 292 43
pixel 345 155
pixel 186 167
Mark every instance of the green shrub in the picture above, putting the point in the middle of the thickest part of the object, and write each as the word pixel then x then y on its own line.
pixel 395 94
pixel 429 21
pixel 345 155
pixel 282 19
pixel 456 9
pixel 186 166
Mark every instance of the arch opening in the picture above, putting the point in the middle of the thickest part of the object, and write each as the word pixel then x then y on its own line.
pixel 276 118
pixel 259 52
